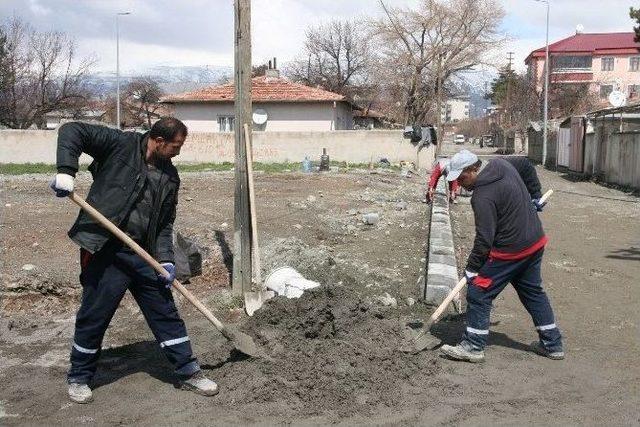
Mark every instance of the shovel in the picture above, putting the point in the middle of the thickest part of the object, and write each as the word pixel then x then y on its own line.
pixel 424 339
pixel 254 300
pixel 241 341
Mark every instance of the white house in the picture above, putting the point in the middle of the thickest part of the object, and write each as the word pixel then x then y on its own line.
pixel 455 110
pixel 278 105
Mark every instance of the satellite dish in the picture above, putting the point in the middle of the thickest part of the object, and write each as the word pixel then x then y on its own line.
pixel 617 98
pixel 260 116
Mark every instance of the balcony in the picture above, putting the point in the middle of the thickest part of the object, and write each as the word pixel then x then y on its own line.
pixel 571 77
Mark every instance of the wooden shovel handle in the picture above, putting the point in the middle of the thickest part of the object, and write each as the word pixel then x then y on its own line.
pixel 455 291
pixel 545 196
pixel 144 255
pixel 252 206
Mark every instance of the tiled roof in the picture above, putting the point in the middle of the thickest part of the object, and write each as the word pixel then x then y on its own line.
pixel 594 43
pixel 264 89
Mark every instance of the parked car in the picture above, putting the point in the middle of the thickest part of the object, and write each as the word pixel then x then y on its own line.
pixel 459 139
pixel 487 140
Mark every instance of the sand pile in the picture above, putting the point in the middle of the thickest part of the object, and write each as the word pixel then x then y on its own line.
pixel 331 352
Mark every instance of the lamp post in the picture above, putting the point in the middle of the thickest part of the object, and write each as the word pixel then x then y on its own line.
pixel 118 15
pixel 546 90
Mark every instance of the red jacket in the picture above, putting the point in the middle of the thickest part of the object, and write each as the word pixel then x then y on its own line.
pixel 438 170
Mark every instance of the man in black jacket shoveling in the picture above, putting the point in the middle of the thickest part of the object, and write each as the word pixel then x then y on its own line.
pixel 135 186
pixel 508 248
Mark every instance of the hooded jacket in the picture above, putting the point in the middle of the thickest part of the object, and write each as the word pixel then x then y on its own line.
pixel 507 223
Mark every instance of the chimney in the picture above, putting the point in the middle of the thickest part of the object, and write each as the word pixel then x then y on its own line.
pixel 272 72
pixel 579 29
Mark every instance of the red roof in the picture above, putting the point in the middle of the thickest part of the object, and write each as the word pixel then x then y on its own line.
pixel 264 89
pixel 594 44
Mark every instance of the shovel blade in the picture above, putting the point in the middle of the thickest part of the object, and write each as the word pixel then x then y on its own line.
pixel 423 341
pixel 420 344
pixel 254 300
pixel 242 342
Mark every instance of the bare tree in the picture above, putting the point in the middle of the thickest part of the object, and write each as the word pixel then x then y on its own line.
pixel 572 99
pixel 336 57
pixel 142 95
pixel 421 49
pixel 44 75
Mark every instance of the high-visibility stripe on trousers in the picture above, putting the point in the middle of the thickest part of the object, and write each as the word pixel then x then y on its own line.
pixel 524 275
pixel 105 278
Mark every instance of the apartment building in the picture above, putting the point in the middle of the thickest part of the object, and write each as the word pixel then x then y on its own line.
pixel 604 61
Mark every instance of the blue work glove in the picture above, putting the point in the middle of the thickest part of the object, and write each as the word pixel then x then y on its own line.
pixel 539 206
pixel 171 269
pixel 470 275
pixel 62 184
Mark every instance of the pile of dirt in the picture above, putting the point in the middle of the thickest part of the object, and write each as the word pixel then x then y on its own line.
pixel 329 352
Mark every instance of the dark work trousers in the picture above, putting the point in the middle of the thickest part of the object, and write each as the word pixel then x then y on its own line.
pixel 524 275
pixel 105 277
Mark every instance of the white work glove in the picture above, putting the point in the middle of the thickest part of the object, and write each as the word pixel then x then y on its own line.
pixel 62 184
pixel 470 275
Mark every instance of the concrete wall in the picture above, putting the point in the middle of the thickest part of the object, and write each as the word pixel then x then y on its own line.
pixel 35 146
pixel 282 117
pixel 534 147
pixel 30 146
pixel 352 146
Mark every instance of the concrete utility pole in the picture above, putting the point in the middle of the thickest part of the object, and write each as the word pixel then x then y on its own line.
pixel 546 90
pixel 241 220
pixel 508 103
pixel 118 15
pixel 439 124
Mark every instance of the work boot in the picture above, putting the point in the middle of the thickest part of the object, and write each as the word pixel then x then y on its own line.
pixel 538 348
pixel 463 352
pixel 199 383
pixel 80 393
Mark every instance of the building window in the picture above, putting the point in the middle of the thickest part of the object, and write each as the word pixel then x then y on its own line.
pixel 634 91
pixel 634 63
pixel 225 123
pixel 605 90
pixel 607 64
pixel 571 63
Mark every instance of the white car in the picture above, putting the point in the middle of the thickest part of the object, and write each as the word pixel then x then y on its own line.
pixel 459 139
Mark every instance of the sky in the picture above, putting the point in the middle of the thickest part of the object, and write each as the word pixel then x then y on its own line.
pixel 200 32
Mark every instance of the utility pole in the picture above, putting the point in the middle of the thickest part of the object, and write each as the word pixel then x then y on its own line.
pixel 439 124
pixel 546 90
pixel 241 221
pixel 118 15
pixel 508 103
pixel 546 95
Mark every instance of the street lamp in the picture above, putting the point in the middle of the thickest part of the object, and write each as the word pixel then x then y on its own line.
pixel 118 66
pixel 546 90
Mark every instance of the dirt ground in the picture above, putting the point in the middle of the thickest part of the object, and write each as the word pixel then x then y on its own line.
pixel 333 353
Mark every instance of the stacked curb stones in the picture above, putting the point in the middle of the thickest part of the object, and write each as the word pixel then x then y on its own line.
pixel 442 272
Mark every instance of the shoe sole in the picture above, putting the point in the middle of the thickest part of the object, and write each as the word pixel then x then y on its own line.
pixel 540 352
pixel 459 358
pixel 81 401
pixel 189 387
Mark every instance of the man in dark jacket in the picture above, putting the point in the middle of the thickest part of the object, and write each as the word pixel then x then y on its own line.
pixel 135 186
pixel 508 248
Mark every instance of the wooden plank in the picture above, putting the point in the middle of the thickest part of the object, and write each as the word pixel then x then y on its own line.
pixel 242 223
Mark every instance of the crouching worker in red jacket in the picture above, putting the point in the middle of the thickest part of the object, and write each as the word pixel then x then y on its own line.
pixel 441 168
